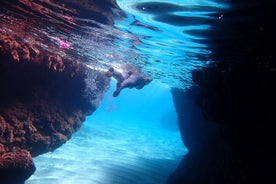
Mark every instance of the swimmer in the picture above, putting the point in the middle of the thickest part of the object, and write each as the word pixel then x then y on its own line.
pixel 130 77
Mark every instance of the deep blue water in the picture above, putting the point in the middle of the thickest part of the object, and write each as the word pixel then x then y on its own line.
pixel 134 139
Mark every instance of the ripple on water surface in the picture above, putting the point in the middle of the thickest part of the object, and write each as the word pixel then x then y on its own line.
pixel 169 49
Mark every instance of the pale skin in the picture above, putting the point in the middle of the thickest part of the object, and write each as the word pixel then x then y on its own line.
pixel 130 77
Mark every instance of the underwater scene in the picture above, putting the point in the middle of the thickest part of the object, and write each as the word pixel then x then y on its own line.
pixel 137 91
pixel 124 141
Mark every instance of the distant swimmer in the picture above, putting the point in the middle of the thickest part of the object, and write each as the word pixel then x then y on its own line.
pixel 130 77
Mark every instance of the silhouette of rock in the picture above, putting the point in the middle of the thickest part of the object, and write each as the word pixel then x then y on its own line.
pixel 237 96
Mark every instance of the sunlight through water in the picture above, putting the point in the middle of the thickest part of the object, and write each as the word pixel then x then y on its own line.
pixel 123 142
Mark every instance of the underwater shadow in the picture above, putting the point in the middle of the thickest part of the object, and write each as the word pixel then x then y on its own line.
pixel 143 171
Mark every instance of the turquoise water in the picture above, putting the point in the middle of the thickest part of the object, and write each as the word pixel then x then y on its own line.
pixel 134 139
pixel 171 40
pixel 131 139
pixel 167 40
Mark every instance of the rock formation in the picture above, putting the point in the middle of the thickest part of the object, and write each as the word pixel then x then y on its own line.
pixel 237 95
pixel 46 90
pixel 41 108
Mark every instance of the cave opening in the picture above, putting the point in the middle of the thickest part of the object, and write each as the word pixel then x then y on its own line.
pixel 45 103
pixel 131 138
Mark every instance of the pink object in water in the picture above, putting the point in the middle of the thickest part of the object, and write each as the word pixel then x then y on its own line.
pixel 64 44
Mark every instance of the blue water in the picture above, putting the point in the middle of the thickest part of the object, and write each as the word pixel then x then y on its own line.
pixel 168 43
pixel 134 139
pixel 171 40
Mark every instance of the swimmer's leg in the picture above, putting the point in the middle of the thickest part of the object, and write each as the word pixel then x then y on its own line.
pixel 118 90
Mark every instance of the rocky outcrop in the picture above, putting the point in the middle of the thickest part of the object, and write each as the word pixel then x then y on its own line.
pixel 15 166
pixel 46 89
pixel 211 158
pixel 237 95
pixel 41 108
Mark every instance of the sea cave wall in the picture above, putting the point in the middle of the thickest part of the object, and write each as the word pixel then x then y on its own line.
pixel 46 90
pixel 41 108
pixel 231 137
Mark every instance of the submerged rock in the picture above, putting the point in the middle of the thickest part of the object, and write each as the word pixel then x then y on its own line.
pixel 41 108
pixel 16 166
pixel 46 90
pixel 210 158
pixel 237 95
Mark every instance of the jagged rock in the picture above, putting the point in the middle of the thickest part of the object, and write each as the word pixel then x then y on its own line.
pixel 41 108
pixel 16 166
pixel 46 92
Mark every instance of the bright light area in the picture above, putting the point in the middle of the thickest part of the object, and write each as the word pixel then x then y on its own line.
pixel 131 139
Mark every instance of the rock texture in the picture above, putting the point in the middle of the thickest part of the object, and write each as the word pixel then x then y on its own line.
pixel 237 95
pixel 41 108
pixel 15 166
pixel 46 92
